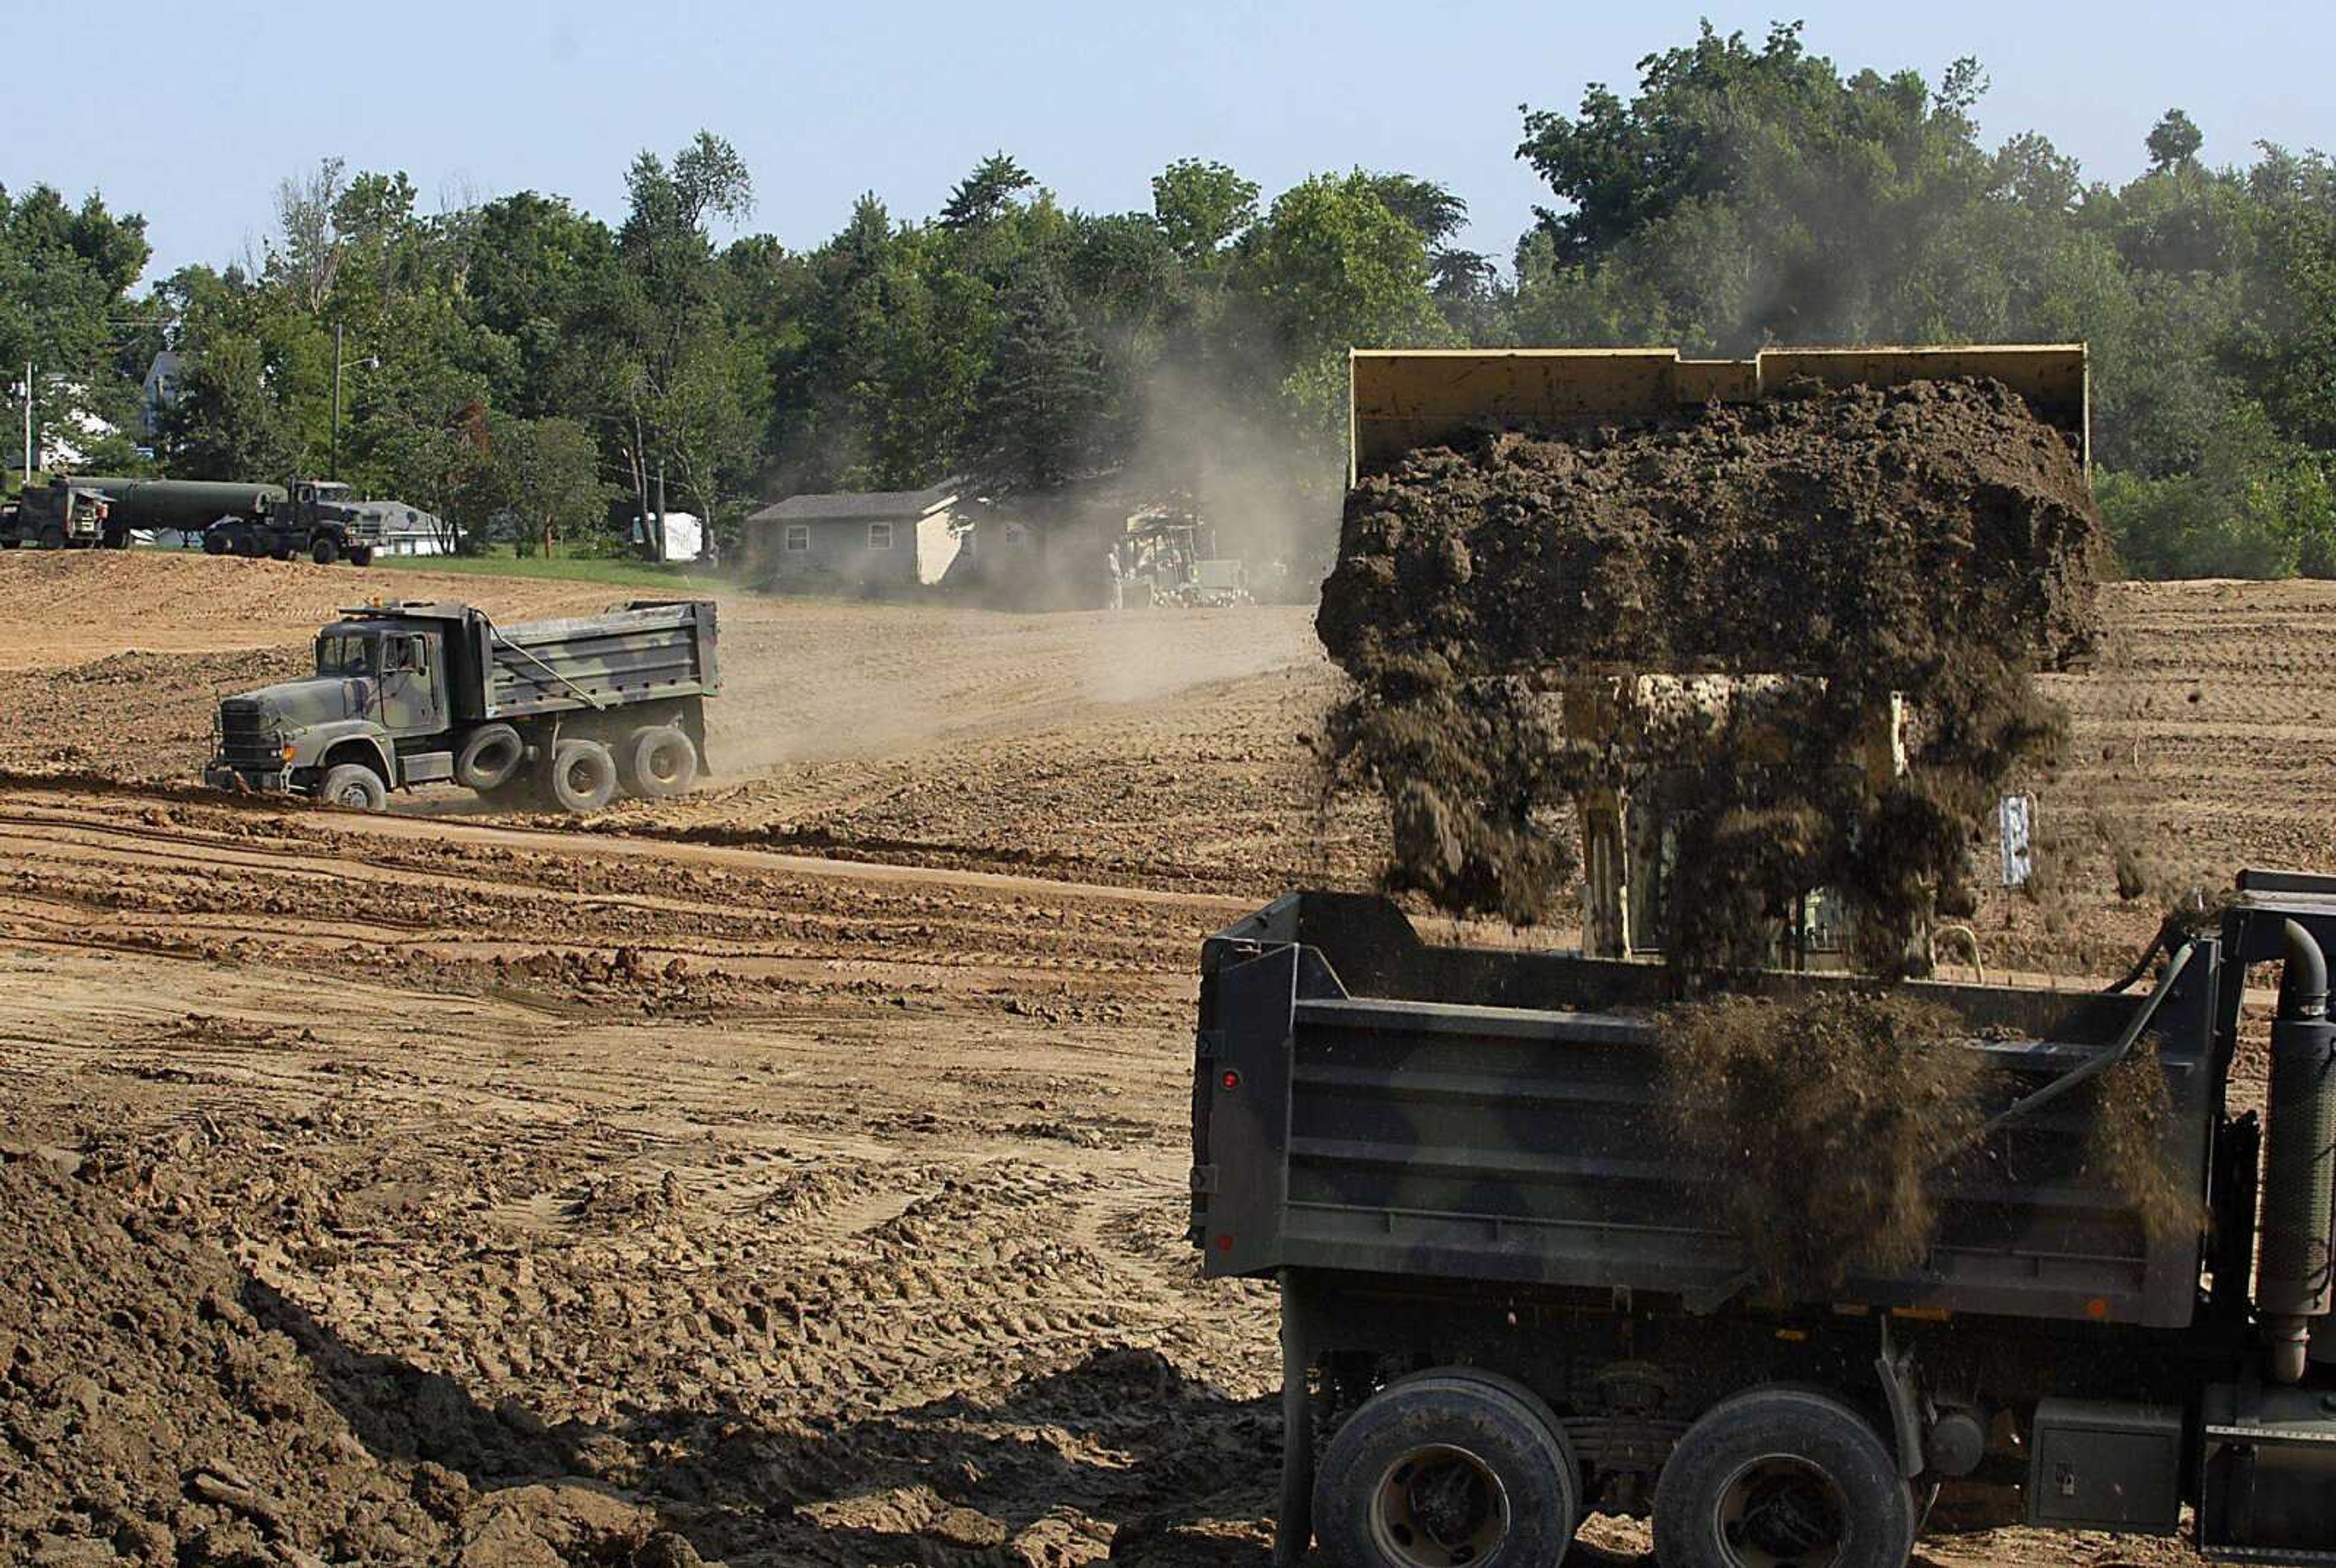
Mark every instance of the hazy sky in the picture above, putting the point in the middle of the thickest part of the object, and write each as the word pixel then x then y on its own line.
pixel 192 113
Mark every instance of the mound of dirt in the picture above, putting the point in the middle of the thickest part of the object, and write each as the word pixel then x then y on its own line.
pixel 1823 1117
pixel 1935 542
pixel 161 1407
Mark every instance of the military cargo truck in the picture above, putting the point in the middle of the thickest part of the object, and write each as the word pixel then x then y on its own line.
pixel 62 514
pixel 1509 1299
pixel 567 714
pixel 319 518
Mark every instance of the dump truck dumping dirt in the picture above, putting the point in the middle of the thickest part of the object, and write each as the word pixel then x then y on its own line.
pixel 1722 609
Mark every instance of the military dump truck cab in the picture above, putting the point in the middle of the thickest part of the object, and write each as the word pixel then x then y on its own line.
pixel 61 515
pixel 1510 1298
pixel 565 713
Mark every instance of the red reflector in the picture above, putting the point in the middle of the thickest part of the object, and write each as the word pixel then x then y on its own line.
pixel 1224 1243
pixel 1231 1079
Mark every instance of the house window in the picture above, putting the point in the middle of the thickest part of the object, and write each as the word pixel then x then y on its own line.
pixel 879 536
pixel 798 538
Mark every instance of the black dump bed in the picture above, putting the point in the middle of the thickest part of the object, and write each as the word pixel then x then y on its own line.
pixel 1365 1101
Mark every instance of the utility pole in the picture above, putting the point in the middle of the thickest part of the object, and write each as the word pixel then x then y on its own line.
pixel 656 539
pixel 333 464
pixel 28 422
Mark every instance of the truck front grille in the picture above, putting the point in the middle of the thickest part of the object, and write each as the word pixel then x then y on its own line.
pixel 247 735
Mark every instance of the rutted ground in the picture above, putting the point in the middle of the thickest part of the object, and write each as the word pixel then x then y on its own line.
pixel 794 1173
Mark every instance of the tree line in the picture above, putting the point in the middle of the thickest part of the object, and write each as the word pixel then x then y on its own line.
pixel 518 360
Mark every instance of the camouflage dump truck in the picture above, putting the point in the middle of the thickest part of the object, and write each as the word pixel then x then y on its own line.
pixel 62 514
pixel 567 714
pixel 1514 1293
pixel 1509 1300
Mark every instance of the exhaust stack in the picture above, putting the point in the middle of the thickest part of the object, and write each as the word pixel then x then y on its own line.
pixel 2297 1284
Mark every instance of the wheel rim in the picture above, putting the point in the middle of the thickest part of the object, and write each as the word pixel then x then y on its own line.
pixel 583 779
pixel 1781 1511
pixel 665 763
pixel 355 795
pixel 1439 1507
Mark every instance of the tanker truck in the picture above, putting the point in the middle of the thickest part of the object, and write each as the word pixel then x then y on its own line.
pixel 565 713
pixel 1511 1296
pixel 315 518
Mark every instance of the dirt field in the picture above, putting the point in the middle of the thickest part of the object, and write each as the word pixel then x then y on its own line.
pixel 792 1173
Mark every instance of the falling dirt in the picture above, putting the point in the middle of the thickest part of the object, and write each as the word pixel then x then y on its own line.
pixel 1933 541
pixel 1824 1118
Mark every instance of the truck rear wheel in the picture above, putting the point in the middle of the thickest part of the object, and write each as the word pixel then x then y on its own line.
pixel 354 785
pixel 214 542
pixel 360 555
pixel 323 551
pixel 660 761
pixel 1449 1469
pixel 53 537
pixel 1783 1477
pixel 583 775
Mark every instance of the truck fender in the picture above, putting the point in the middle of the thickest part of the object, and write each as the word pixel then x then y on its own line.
pixel 318 742
pixel 1903 1399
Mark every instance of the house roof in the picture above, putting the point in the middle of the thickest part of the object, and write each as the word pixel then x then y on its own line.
pixel 860 505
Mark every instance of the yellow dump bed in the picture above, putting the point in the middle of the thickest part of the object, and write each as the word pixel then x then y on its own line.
pixel 1407 397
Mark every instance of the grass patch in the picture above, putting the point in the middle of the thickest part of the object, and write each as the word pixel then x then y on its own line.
pixel 666 577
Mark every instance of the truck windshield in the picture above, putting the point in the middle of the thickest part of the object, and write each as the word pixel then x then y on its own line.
pixel 344 655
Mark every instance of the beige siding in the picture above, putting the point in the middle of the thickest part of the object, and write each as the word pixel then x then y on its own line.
pixel 937 547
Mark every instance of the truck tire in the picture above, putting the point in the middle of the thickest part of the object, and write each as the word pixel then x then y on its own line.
pixel 53 537
pixel 583 775
pixel 354 785
pixel 360 555
pixel 490 758
pixel 323 551
pixel 1446 1469
pixel 214 542
pixel 1780 1475
pixel 660 761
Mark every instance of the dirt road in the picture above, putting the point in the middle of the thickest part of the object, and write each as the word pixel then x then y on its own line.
pixel 794 1173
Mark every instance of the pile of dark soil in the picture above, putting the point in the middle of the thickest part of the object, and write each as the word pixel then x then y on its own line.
pixel 1934 541
pixel 1824 1116
pixel 158 1405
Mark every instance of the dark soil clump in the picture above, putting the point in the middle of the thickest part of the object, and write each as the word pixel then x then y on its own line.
pixel 1933 541
pixel 1823 1118
pixel 161 1407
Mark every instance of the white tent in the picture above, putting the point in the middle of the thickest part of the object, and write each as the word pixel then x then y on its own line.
pixel 685 535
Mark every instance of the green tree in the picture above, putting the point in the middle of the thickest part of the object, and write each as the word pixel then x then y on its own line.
pixel 546 472
pixel 1201 205
pixel 1763 195
pixel 986 195
pixel 65 273
pixel 2175 140
pixel 1042 405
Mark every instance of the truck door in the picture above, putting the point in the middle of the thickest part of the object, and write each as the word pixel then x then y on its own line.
pixel 410 699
